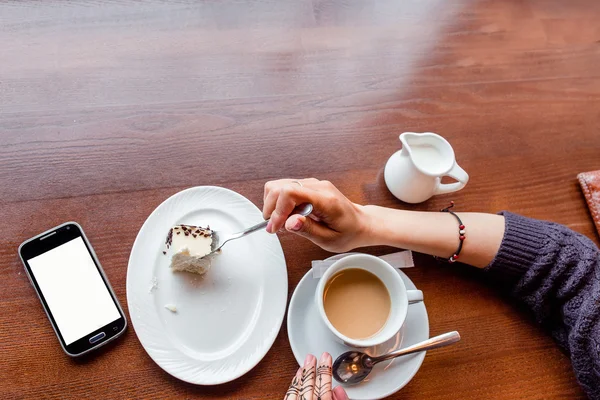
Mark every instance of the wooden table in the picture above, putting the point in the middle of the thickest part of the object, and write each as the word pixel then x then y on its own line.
pixel 108 108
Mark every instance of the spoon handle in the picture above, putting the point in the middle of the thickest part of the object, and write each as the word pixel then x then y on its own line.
pixel 303 209
pixel 252 229
pixel 429 344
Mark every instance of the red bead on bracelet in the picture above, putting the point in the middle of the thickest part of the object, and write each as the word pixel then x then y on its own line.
pixel 461 233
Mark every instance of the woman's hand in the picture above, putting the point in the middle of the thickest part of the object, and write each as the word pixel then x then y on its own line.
pixel 313 382
pixel 336 224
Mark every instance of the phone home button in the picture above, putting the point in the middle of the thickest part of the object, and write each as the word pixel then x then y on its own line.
pixel 97 337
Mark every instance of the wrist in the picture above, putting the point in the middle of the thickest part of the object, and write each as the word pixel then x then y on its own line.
pixel 363 231
pixel 374 226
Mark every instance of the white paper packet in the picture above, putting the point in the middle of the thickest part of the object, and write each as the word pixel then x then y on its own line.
pixel 401 259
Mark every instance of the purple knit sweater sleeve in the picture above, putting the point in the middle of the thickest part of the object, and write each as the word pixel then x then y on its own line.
pixel 555 272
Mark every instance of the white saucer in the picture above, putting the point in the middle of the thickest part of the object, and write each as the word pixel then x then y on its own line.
pixel 226 320
pixel 307 334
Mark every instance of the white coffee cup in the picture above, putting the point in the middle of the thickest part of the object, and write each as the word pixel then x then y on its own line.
pixel 399 295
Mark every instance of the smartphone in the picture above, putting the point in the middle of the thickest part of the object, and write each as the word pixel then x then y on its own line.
pixel 67 276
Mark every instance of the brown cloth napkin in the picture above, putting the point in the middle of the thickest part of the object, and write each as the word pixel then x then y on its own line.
pixel 590 184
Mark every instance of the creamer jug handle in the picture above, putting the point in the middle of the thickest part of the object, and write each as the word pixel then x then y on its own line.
pixel 455 173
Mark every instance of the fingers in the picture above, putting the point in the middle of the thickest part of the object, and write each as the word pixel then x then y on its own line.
pixel 308 378
pixel 270 202
pixel 323 380
pixel 294 390
pixel 273 189
pixel 310 229
pixel 334 224
pixel 307 227
pixel 313 381
pixel 271 193
pixel 289 197
pixel 340 394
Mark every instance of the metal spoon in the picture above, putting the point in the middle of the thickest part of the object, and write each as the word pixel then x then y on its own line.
pixel 354 366
pixel 219 239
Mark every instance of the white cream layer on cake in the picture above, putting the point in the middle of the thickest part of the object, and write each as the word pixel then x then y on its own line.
pixel 189 247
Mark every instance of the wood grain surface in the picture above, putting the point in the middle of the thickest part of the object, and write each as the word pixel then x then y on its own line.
pixel 107 108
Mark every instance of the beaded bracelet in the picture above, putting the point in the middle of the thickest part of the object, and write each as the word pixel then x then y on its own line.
pixel 461 233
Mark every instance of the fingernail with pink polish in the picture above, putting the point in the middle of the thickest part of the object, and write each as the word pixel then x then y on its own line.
pixel 325 358
pixel 269 226
pixel 297 226
pixel 309 360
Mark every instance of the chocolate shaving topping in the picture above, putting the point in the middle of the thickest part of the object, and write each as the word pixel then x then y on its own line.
pixel 169 237
pixel 188 230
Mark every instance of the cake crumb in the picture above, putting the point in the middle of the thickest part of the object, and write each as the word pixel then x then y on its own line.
pixel 171 307
pixel 153 285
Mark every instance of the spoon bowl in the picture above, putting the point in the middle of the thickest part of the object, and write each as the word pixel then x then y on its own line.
pixel 354 366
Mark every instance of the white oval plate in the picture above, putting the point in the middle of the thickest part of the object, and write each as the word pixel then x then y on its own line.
pixel 308 334
pixel 226 320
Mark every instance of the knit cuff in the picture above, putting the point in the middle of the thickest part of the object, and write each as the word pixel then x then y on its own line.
pixel 524 241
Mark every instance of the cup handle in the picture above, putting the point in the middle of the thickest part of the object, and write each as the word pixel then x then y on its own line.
pixel 414 296
pixel 456 173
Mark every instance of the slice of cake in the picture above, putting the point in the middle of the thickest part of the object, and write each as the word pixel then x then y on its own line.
pixel 190 248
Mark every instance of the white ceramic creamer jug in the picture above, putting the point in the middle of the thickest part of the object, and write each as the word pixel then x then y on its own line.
pixel 414 173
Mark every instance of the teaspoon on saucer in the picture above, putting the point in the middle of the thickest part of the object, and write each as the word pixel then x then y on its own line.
pixel 219 239
pixel 354 366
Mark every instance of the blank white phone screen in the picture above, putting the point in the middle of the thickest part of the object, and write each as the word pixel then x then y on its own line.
pixel 74 290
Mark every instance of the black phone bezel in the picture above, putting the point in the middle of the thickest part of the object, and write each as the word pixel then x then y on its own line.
pixel 48 241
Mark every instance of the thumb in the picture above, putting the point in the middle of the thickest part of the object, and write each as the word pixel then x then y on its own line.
pixel 308 228
pixel 339 393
